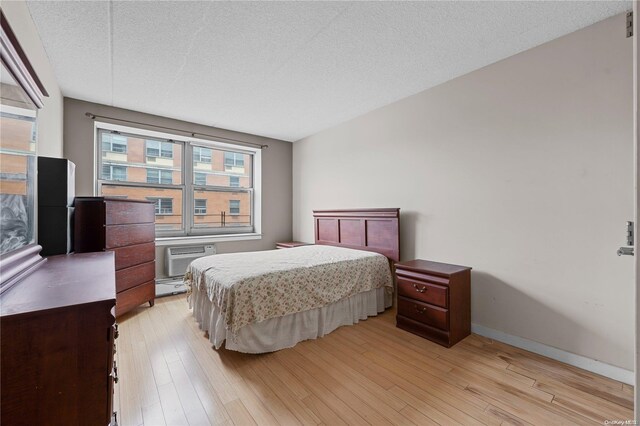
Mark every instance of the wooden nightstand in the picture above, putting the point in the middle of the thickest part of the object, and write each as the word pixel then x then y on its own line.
pixel 291 244
pixel 434 300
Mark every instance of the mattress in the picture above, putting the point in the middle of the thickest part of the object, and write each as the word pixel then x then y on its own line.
pixel 242 289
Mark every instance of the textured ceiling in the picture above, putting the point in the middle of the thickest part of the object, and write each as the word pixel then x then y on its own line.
pixel 285 69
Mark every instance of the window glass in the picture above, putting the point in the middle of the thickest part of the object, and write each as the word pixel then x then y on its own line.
pixel 200 178
pixel 138 156
pixel 159 149
pixel 222 168
pixel 163 206
pixel 160 176
pixel 234 207
pixel 234 161
pixel 215 185
pixel 224 209
pixel 17 167
pixel 111 172
pixel 201 155
pixel 114 143
pixel 200 206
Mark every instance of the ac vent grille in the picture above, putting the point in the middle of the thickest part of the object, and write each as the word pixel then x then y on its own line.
pixel 187 250
pixel 177 259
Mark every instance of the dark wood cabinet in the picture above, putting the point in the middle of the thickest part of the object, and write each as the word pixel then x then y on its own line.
pixel 57 328
pixel 291 244
pixel 126 227
pixel 434 300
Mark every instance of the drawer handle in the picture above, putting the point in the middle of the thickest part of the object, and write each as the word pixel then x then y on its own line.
pixel 421 310
pixel 420 290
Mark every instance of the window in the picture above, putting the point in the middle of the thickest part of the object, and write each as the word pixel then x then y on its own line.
pixel 163 205
pixel 164 177
pixel 234 207
pixel 200 207
pixel 114 143
pixel 201 155
pixel 159 149
pixel 199 178
pixel 233 160
pixel 17 169
pixel 193 190
pixel 110 172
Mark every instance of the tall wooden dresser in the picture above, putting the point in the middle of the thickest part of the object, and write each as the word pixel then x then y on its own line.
pixel 126 227
pixel 58 332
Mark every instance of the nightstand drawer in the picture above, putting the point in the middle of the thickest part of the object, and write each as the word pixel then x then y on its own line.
pixel 425 292
pixel 424 313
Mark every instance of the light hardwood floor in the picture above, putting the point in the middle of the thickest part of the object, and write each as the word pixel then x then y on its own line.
pixel 369 373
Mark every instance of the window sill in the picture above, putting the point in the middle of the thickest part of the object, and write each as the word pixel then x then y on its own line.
pixel 197 239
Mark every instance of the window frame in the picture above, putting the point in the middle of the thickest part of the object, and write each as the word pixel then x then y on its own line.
pixel 189 231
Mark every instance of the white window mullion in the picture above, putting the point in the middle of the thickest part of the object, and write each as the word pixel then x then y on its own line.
pixel 187 199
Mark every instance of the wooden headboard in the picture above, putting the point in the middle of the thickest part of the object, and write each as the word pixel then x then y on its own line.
pixel 376 230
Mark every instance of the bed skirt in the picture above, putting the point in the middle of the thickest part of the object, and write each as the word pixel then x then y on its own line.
pixel 284 332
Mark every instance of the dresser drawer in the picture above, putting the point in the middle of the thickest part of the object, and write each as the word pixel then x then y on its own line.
pixel 129 299
pixel 124 235
pixel 126 212
pixel 424 313
pixel 134 275
pixel 425 292
pixel 134 255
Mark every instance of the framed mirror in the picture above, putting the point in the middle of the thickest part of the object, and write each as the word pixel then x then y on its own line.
pixel 21 94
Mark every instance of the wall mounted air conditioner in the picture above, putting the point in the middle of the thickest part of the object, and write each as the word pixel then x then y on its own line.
pixel 178 258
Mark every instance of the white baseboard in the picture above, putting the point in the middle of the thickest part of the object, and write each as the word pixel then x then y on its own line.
pixel 579 361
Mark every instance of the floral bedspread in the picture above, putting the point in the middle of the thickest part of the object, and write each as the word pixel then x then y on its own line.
pixel 255 286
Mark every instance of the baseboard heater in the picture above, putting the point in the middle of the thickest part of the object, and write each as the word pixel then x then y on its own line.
pixel 169 287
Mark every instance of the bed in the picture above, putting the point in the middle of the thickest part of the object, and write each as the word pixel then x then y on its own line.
pixel 258 302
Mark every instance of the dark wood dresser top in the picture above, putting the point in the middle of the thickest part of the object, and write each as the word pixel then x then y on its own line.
pixel 62 281
pixel 437 268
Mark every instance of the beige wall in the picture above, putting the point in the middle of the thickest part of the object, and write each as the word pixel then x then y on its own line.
pixel 276 169
pixel 50 116
pixel 522 170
